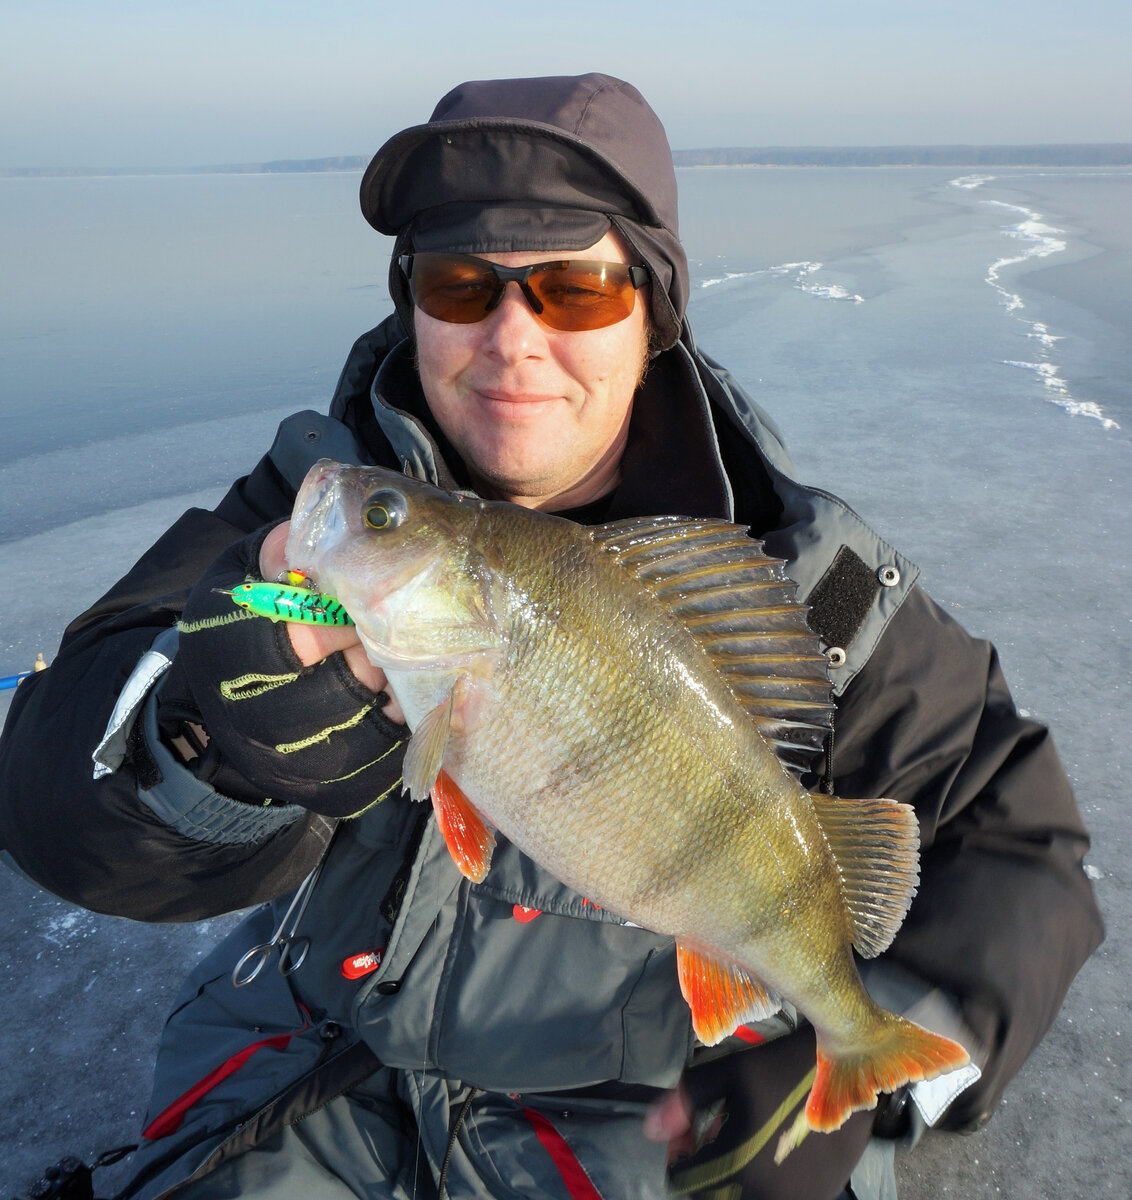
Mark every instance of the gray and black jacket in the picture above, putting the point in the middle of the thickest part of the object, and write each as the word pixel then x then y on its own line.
pixel 469 981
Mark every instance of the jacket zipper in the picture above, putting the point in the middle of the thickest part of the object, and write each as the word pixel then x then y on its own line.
pixel 367 1064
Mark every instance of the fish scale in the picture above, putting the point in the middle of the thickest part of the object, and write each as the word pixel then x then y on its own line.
pixel 565 674
pixel 615 701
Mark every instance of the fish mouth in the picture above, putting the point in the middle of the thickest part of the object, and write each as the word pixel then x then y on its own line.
pixel 317 520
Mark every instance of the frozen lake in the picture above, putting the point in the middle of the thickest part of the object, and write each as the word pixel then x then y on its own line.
pixel 952 359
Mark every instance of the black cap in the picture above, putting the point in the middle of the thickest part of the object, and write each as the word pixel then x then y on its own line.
pixel 535 164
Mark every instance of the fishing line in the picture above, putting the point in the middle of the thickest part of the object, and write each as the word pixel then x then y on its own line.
pixel 424 1061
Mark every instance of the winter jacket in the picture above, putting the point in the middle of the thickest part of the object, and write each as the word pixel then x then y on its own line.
pixel 504 1004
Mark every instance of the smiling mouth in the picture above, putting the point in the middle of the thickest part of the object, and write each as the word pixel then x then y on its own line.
pixel 513 401
pixel 514 405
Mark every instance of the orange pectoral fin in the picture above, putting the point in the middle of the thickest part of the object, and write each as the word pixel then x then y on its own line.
pixel 720 994
pixel 468 839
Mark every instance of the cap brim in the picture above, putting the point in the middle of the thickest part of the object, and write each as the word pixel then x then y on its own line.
pixel 383 189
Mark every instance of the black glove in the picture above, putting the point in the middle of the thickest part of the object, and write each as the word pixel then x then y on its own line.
pixel 277 731
pixel 762 1089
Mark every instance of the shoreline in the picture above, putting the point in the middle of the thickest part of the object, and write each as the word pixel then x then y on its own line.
pixel 16 174
pixel 1058 155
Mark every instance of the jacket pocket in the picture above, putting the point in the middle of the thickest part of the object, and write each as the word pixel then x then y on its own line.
pixel 598 998
pixel 225 1050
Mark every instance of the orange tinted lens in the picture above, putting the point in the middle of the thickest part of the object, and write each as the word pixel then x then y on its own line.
pixel 452 288
pixel 583 295
pixel 569 295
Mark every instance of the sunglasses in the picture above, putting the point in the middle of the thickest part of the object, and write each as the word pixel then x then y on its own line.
pixel 566 294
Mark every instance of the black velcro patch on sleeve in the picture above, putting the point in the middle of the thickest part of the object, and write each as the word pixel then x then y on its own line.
pixel 842 599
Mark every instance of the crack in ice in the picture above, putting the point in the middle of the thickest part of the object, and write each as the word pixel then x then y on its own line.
pixel 1040 242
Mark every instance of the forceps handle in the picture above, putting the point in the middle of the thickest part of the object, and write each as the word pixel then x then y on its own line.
pixel 290 961
pixel 262 952
pixel 283 937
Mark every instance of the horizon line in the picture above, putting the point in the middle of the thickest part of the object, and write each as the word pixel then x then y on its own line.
pixel 886 154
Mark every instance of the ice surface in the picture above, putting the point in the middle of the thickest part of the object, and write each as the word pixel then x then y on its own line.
pixel 1019 515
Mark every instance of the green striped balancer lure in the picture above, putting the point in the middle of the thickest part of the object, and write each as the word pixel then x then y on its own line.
pixel 286 602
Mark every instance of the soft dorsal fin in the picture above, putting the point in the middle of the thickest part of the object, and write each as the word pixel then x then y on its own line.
pixel 741 607
pixel 876 844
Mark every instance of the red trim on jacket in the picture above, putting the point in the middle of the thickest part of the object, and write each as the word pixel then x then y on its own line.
pixel 573 1173
pixel 169 1121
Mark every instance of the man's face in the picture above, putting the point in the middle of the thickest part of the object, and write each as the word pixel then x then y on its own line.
pixel 538 416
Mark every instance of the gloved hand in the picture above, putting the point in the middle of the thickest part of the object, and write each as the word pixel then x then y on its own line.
pixel 728 1114
pixel 278 729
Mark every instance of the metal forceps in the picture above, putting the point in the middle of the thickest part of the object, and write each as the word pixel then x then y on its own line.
pixel 292 948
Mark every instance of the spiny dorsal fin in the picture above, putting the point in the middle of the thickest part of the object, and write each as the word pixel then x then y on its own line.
pixel 876 844
pixel 740 606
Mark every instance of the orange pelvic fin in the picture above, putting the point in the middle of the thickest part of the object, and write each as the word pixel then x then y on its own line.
pixel 468 839
pixel 721 995
pixel 902 1053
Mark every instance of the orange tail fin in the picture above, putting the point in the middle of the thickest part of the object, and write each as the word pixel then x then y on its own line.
pixel 900 1053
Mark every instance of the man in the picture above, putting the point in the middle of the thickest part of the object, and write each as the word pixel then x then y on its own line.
pixel 420 1035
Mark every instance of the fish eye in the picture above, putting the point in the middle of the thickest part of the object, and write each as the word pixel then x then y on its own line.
pixel 384 510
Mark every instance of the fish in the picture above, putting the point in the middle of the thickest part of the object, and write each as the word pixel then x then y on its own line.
pixel 632 705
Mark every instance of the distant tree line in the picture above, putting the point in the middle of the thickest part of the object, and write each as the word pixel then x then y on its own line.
pixel 1080 155
pixel 1068 155
pixel 293 166
pixel 349 162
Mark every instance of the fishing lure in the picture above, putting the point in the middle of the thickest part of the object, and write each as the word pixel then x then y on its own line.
pixel 289 601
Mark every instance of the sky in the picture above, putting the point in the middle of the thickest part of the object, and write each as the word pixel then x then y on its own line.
pixel 161 83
